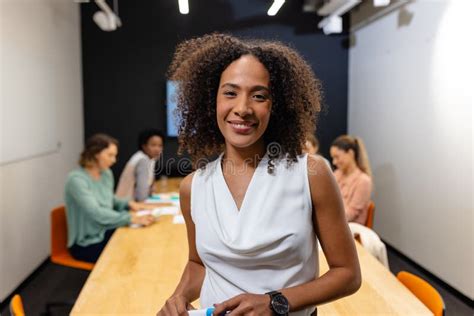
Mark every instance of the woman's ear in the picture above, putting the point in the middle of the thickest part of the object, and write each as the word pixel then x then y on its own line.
pixel 95 159
pixel 352 153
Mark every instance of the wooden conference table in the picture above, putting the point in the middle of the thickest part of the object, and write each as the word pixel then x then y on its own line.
pixel 140 268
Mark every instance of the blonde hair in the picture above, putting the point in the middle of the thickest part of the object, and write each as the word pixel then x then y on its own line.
pixel 346 143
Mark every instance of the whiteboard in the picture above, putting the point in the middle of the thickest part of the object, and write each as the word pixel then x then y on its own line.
pixel 30 80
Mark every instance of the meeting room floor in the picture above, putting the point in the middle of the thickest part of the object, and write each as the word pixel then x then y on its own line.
pixel 54 283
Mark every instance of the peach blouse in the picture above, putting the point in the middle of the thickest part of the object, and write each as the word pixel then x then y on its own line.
pixel 356 189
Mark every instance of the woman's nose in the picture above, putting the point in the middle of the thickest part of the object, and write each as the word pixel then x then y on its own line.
pixel 242 107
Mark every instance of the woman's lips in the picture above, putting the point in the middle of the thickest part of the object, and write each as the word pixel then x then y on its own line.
pixel 242 127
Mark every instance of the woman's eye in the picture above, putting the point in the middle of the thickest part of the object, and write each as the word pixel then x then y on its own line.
pixel 230 93
pixel 260 97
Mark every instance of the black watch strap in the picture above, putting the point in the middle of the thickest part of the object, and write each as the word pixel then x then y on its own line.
pixel 272 295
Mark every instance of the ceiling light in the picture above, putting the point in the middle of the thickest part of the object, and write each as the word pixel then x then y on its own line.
pixel 106 18
pixel 337 7
pixel 277 4
pixel 183 6
pixel 331 24
pixel 381 3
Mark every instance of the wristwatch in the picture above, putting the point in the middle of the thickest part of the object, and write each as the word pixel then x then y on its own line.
pixel 278 303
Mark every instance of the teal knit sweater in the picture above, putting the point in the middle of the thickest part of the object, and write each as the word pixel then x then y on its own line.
pixel 92 208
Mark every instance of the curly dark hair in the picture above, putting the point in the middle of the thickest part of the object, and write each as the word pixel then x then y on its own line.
pixel 145 135
pixel 295 92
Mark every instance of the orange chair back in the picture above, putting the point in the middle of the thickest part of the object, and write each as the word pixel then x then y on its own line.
pixel 370 215
pixel 16 306
pixel 424 291
pixel 59 251
pixel 58 231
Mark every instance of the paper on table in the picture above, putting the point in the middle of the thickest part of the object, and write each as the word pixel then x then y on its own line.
pixel 144 212
pixel 153 201
pixel 178 219
pixel 159 211
pixel 166 196
pixel 140 213
pixel 165 210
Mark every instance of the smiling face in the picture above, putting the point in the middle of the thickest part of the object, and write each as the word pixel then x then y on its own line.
pixel 244 102
pixel 340 158
pixel 153 147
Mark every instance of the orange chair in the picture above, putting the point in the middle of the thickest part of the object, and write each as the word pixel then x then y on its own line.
pixel 424 291
pixel 370 215
pixel 16 306
pixel 59 251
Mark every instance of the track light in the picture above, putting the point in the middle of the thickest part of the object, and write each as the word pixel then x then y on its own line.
pixel 381 3
pixel 277 4
pixel 106 19
pixel 337 7
pixel 331 24
pixel 333 10
pixel 183 6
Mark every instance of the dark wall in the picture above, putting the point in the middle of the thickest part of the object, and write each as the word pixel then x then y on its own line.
pixel 124 72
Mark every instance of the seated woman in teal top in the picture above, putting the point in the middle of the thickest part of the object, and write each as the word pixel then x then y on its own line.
pixel 93 212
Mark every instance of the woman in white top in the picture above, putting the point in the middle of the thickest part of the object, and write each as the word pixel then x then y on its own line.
pixel 138 176
pixel 254 215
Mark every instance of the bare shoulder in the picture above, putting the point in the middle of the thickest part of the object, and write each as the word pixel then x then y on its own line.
pixel 318 168
pixel 185 186
pixel 322 183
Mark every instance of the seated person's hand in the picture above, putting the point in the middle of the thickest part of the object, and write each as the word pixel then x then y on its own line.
pixel 133 205
pixel 143 220
pixel 137 206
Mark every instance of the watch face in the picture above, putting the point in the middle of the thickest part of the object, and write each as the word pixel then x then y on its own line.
pixel 280 305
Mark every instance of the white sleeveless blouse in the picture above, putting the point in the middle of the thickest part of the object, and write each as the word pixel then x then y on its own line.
pixel 268 245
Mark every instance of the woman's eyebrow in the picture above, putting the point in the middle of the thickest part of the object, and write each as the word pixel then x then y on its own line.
pixel 259 88
pixel 253 89
pixel 230 85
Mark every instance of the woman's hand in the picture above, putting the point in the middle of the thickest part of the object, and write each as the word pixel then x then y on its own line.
pixel 135 206
pixel 245 304
pixel 138 206
pixel 143 220
pixel 175 306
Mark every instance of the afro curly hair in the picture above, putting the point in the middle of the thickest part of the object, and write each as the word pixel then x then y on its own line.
pixel 295 92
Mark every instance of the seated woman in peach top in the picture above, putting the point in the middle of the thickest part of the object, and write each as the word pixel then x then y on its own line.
pixel 353 175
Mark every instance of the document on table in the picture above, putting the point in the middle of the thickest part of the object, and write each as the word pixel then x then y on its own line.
pixel 170 197
pixel 178 219
pixel 159 211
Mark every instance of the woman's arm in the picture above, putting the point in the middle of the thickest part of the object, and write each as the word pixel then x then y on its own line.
pixel 142 187
pixel 343 277
pixel 329 221
pixel 189 287
pixel 79 191
pixel 121 204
